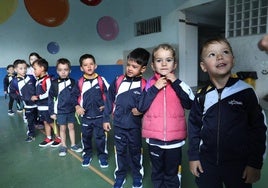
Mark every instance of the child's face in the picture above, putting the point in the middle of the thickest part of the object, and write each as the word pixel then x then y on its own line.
pixel 21 69
pixel 133 69
pixel 10 70
pixel 32 59
pixel 164 62
pixel 38 70
pixel 217 59
pixel 63 70
pixel 88 66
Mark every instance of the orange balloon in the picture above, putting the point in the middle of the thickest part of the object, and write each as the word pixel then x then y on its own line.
pixel 49 13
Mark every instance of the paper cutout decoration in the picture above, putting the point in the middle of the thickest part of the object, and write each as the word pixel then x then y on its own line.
pixel 49 13
pixel 53 47
pixel 91 2
pixel 7 9
pixel 107 28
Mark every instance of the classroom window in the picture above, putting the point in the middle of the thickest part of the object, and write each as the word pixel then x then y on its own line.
pixel 246 17
pixel 148 26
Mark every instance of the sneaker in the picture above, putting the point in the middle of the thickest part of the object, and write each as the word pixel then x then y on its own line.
pixel 86 161
pixel 10 113
pixel 46 142
pixel 119 183
pixel 62 151
pixel 137 183
pixel 56 143
pixel 19 110
pixel 76 149
pixel 29 139
pixel 103 163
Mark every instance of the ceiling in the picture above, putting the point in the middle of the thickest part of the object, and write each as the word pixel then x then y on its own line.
pixel 212 10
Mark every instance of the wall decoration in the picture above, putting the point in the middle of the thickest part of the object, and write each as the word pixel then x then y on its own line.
pixel 7 9
pixel 49 13
pixel 53 47
pixel 107 28
pixel 91 2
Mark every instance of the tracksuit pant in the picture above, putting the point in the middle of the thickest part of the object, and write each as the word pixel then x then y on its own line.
pixel 217 175
pixel 165 166
pixel 93 128
pixel 31 115
pixel 128 152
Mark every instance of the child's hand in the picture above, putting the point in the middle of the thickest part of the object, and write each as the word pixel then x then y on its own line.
pixel 161 82
pixel 196 168
pixel 171 77
pixel 106 127
pixel 135 112
pixel 101 108
pixel 34 98
pixel 79 110
pixel 54 116
pixel 251 175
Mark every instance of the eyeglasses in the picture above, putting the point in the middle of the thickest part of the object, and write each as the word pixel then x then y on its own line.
pixel 167 60
pixel 224 53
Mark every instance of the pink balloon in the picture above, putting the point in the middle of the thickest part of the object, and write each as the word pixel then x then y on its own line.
pixel 107 28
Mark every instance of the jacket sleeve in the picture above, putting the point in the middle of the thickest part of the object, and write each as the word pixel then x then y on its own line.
pixel 108 103
pixel 13 92
pixel 194 129
pixel 51 97
pixel 257 132
pixel 184 92
pixel 6 83
pixel 147 98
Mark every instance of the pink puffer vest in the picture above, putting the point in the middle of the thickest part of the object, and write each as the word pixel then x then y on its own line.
pixel 165 119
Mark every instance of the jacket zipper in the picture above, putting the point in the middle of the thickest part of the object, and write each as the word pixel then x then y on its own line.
pixel 218 128
pixel 165 115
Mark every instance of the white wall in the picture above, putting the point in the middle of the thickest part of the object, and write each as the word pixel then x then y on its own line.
pixel 249 58
pixel 20 34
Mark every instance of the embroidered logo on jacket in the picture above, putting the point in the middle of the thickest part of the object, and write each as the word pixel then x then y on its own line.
pixel 234 102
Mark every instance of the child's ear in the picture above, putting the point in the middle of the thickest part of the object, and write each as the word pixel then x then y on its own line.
pixel 143 69
pixel 152 66
pixel 203 66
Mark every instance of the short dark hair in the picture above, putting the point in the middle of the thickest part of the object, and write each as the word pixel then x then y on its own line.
pixel 19 61
pixel 139 55
pixel 42 63
pixel 63 61
pixel 9 66
pixel 86 56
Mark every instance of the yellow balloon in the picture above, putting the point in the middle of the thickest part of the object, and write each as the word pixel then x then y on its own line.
pixel 7 8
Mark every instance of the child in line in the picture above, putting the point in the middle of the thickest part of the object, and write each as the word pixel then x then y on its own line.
pixel 93 89
pixel 30 71
pixel 23 86
pixel 122 101
pixel 227 130
pixel 43 84
pixel 61 102
pixel 164 123
pixel 7 79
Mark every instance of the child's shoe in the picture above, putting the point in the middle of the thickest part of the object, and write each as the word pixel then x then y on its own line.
pixel 10 113
pixel 137 183
pixel 19 110
pixel 62 151
pixel 29 139
pixel 119 183
pixel 103 163
pixel 46 142
pixel 86 161
pixel 76 148
pixel 56 143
